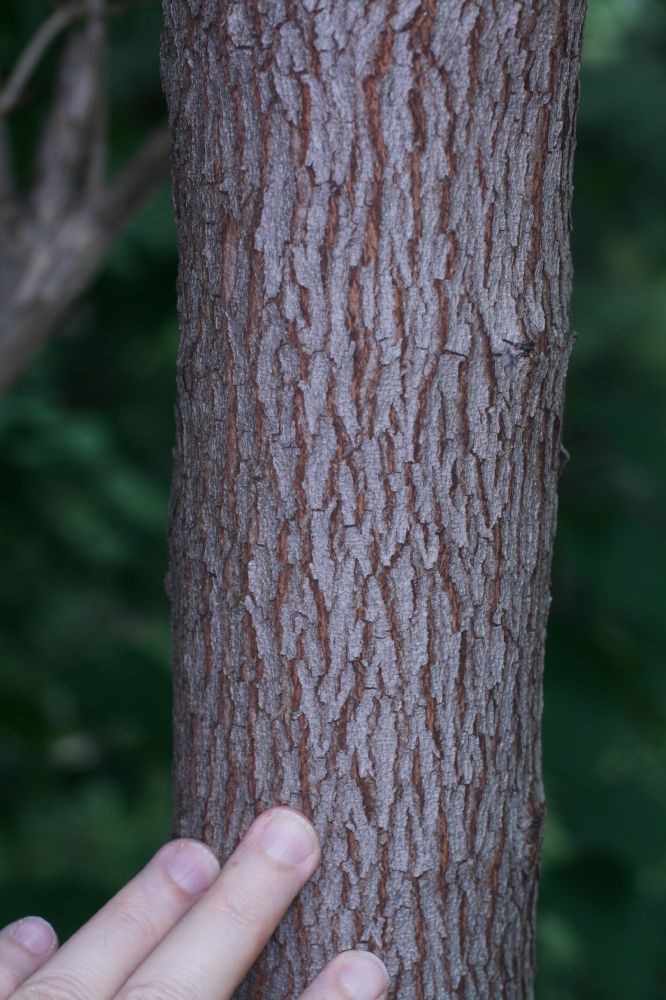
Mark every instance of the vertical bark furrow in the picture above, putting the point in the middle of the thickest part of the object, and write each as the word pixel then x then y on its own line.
pixel 373 208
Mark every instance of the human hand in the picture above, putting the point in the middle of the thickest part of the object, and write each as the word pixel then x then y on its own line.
pixel 184 930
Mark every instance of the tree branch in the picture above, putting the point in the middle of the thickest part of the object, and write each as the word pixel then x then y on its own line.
pixel 68 137
pixel 7 182
pixel 52 242
pixel 96 158
pixel 45 35
pixel 33 52
pixel 51 261
pixel 133 185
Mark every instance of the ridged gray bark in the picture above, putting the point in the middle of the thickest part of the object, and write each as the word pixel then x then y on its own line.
pixel 373 208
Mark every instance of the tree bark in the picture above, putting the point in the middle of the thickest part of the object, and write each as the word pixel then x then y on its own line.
pixel 373 207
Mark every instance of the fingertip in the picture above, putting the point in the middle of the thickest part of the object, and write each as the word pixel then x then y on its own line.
pixel 362 975
pixel 351 975
pixel 288 837
pixel 35 934
pixel 190 864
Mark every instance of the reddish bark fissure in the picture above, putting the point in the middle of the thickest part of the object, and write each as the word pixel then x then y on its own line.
pixel 373 212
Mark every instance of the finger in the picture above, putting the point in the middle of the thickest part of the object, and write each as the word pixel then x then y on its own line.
pixel 353 975
pixel 207 955
pixel 98 959
pixel 24 946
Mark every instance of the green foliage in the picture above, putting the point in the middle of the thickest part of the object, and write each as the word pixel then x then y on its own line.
pixel 85 443
pixel 603 897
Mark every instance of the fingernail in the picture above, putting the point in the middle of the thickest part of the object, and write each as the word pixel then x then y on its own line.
pixel 193 867
pixel 34 934
pixel 288 837
pixel 363 976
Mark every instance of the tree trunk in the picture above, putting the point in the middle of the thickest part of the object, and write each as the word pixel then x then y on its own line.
pixel 373 206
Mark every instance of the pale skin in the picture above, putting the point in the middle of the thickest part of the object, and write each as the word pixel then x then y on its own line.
pixel 184 929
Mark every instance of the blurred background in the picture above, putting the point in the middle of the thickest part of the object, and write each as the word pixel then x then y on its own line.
pixel 85 454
